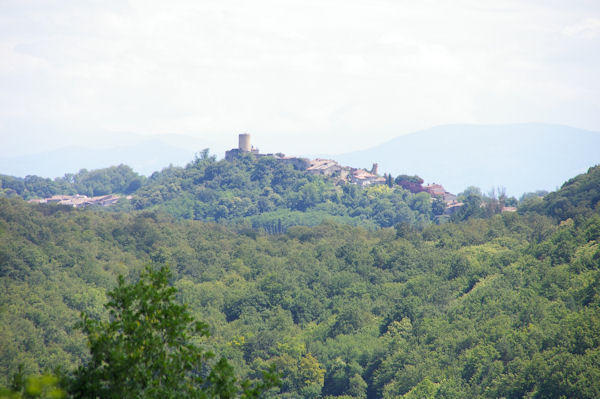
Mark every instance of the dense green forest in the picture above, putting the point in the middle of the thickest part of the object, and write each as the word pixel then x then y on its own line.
pixel 115 179
pixel 489 305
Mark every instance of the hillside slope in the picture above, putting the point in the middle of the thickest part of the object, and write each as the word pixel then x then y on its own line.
pixel 520 157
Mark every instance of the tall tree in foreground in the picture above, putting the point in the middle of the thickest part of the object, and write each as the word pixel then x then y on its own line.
pixel 147 349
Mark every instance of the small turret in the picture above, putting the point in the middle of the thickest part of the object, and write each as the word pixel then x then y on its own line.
pixel 374 169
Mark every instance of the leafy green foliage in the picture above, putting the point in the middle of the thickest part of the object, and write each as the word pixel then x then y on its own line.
pixel 580 196
pixel 147 348
pixel 502 306
pixel 45 386
pixel 115 179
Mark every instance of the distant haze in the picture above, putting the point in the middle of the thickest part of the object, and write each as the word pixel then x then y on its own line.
pixel 145 157
pixel 341 75
pixel 520 158
pixel 145 154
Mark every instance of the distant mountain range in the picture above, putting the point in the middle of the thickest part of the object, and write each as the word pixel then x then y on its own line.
pixel 519 157
pixel 144 156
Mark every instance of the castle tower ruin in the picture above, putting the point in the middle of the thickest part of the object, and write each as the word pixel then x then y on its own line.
pixel 244 143
pixel 374 169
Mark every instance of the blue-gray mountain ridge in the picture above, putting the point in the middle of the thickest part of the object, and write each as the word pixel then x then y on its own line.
pixel 519 157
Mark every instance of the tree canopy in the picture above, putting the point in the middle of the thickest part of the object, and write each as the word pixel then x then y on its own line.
pixel 486 306
pixel 148 349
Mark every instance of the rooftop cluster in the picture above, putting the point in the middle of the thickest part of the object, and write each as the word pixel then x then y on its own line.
pixel 78 200
pixel 320 166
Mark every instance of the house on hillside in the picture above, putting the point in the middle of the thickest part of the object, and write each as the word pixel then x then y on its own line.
pixel 453 207
pixel 449 197
pixel 435 190
pixel 364 178
pixel 325 167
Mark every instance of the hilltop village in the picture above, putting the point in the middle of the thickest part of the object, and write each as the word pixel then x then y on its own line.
pixel 346 174
pixel 318 166
pixel 339 175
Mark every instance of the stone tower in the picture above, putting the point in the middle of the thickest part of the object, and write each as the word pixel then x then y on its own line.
pixel 244 143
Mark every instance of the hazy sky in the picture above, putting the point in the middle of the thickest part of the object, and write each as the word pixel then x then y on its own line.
pixel 324 76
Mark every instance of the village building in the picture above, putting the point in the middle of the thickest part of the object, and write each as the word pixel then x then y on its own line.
pixel 449 197
pixel 78 200
pixel 364 178
pixel 453 207
pixel 325 167
pixel 435 190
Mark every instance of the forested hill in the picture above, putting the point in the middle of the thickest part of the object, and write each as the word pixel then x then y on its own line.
pixel 505 306
pixel 578 197
pixel 266 193
pixel 113 180
pixel 256 192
